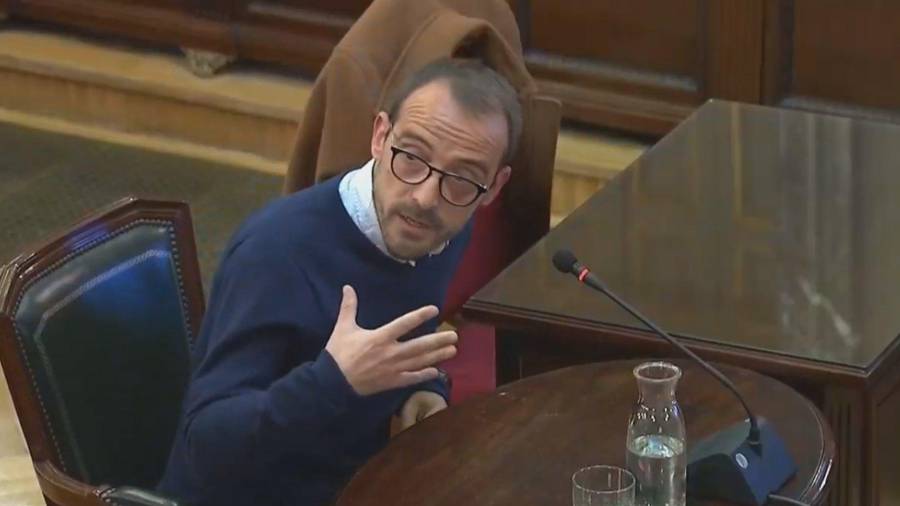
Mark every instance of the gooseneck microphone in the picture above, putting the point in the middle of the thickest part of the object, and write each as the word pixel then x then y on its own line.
pixel 565 262
pixel 743 463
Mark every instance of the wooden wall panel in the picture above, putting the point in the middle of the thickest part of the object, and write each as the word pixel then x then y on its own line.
pixel 164 21
pixel 211 9
pixel 834 55
pixel 616 64
pixel 346 8
pixel 640 66
pixel 732 50
pixel 336 15
pixel 296 33
pixel 625 34
pixel 643 66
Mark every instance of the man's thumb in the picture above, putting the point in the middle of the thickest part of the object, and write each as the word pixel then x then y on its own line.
pixel 347 313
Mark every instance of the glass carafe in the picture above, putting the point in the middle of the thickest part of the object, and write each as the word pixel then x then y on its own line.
pixel 656 443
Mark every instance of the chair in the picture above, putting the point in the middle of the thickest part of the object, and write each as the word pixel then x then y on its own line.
pixel 336 130
pixel 95 331
pixel 502 232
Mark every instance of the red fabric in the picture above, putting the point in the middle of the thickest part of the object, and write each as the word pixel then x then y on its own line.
pixel 486 255
pixel 473 368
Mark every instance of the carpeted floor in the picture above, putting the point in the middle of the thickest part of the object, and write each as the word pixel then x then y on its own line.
pixel 49 181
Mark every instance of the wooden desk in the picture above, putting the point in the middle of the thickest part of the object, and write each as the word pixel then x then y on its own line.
pixel 765 238
pixel 521 444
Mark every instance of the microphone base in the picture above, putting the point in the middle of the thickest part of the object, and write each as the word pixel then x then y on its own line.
pixel 724 466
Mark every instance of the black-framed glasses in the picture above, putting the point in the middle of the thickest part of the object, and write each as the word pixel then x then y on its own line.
pixel 457 190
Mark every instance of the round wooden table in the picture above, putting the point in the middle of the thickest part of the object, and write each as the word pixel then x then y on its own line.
pixel 521 444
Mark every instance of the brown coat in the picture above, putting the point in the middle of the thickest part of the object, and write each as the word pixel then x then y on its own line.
pixel 391 40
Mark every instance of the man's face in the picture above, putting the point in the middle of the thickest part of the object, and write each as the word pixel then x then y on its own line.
pixel 415 219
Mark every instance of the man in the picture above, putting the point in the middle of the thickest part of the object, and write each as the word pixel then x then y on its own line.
pixel 321 321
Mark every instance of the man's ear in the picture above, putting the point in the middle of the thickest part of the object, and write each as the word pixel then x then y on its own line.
pixel 499 181
pixel 380 130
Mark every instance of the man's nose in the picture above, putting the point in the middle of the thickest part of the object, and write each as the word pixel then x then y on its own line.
pixel 427 194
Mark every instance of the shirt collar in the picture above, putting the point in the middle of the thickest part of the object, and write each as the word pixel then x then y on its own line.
pixel 357 195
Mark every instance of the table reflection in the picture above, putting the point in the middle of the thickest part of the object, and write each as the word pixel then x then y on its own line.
pixel 763 228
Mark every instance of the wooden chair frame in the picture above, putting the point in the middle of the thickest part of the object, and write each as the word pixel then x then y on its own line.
pixel 15 278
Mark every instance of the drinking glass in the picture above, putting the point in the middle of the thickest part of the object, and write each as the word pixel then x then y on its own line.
pixel 602 486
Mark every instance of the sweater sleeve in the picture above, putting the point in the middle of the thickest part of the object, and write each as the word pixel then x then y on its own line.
pixel 248 404
pixel 439 385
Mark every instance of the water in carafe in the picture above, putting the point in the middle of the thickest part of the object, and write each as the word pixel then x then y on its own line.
pixel 656 437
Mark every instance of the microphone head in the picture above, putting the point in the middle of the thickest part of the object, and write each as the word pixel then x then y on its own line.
pixel 564 261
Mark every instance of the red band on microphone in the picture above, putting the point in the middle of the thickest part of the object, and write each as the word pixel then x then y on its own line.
pixel 583 274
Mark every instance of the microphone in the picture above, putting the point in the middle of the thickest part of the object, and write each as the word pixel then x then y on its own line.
pixel 565 262
pixel 743 463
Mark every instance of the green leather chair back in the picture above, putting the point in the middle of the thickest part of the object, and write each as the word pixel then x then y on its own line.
pixel 105 337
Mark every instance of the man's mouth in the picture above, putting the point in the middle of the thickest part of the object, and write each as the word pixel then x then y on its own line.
pixel 414 223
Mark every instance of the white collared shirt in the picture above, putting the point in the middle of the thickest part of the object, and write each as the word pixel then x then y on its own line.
pixel 358 198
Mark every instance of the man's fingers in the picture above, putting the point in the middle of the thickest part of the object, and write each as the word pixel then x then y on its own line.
pixel 437 408
pixel 408 416
pixel 428 359
pixel 406 323
pixel 426 343
pixel 427 350
pixel 412 377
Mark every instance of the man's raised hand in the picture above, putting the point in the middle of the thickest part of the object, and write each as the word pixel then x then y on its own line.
pixel 376 360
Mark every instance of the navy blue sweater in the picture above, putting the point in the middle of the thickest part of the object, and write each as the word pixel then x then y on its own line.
pixel 269 418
